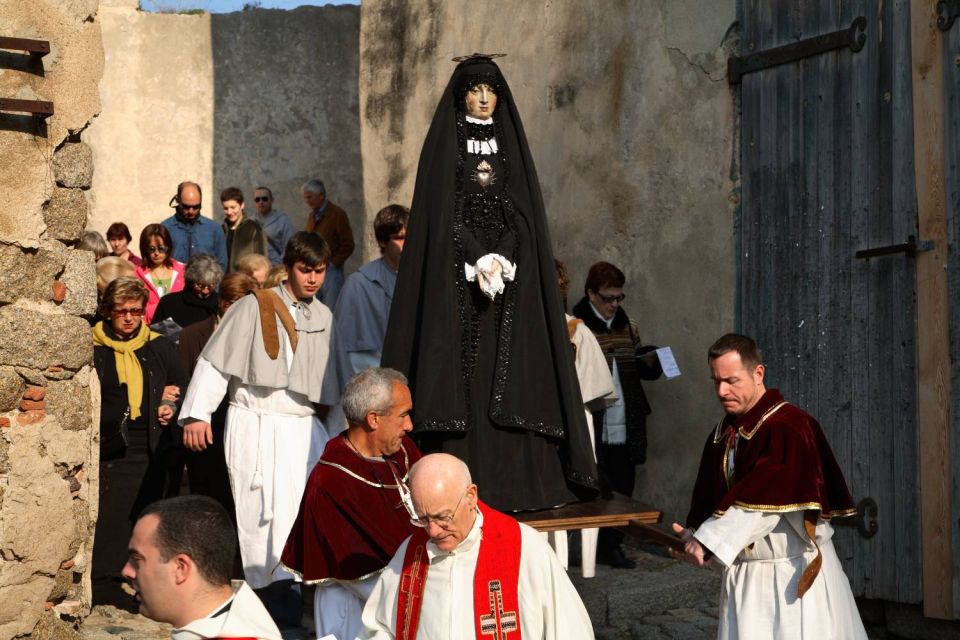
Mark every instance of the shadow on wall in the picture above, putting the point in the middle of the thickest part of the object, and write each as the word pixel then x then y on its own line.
pixel 285 108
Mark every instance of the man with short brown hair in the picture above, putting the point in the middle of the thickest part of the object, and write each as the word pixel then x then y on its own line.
pixel 363 307
pixel 271 355
pixel 766 491
pixel 179 564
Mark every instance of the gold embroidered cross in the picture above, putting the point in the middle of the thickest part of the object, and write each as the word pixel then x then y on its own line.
pixel 497 624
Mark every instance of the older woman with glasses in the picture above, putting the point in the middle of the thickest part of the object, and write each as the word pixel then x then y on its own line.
pixel 623 439
pixel 160 272
pixel 140 378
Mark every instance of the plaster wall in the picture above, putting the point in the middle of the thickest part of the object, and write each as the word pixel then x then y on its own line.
pixel 259 97
pixel 630 122
pixel 49 397
pixel 156 127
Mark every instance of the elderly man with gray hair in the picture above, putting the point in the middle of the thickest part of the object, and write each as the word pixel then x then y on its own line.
pixel 354 512
pixel 329 221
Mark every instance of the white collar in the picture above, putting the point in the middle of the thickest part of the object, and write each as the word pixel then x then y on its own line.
pixel 486 122
pixel 604 320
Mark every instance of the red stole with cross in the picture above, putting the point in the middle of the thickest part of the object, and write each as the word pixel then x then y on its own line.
pixel 496 601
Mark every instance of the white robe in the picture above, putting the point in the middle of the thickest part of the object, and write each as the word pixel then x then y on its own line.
pixel 758 596
pixel 272 441
pixel 550 608
pixel 597 390
pixel 338 605
pixel 246 618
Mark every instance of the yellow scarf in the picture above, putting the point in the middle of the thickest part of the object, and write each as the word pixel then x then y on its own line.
pixel 128 366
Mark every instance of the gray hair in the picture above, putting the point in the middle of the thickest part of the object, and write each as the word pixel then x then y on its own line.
pixel 93 241
pixel 313 186
pixel 204 270
pixel 369 390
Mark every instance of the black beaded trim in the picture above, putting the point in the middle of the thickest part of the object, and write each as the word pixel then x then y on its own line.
pixel 582 479
pixel 482 132
pixel 442 425
pixel 459 277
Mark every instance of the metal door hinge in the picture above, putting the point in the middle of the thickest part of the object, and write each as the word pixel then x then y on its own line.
pixel 911 247
pixel 865 519
pixel 947 12
pixel 853 37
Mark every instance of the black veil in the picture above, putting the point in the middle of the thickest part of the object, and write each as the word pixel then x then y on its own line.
pixel 493 383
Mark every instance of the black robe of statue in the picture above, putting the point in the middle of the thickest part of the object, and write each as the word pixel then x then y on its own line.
pixel 493 382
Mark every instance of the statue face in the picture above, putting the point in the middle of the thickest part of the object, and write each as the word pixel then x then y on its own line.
pixel 481 101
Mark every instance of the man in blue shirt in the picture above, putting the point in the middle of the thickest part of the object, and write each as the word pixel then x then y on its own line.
pixel 190 232
pixel 274 222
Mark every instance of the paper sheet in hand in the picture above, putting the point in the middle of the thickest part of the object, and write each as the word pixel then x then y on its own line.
pixel 668 362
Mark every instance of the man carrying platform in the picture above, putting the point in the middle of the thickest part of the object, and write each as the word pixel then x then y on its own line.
pixel 767 487
pixel 353 515
pixel 470 571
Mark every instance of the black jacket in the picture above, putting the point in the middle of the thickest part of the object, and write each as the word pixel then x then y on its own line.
pixel 621 342
pixel 185 308
pixel 161 367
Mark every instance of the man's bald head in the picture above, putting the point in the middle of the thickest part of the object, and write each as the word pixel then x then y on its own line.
pixel 444 494
pixel 438 472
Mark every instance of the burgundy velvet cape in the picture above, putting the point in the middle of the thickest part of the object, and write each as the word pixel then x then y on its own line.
pixel 783 463
pixel 346 528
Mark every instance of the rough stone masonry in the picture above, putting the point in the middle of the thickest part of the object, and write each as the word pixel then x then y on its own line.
pixel 49 398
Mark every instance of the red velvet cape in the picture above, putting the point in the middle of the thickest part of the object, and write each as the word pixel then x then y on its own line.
pixel 783 463
pixel 346 528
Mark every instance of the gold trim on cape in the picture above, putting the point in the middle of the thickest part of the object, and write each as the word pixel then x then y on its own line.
pixel 376 485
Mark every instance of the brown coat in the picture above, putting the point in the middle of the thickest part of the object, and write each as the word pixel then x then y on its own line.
pixel 334 227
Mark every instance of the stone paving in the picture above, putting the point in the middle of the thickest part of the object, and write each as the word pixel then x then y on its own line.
pixel 661 599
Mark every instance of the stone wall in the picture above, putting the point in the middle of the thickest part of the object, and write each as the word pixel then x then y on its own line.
pixel 259 97
pixel 630 121
pixel 48 391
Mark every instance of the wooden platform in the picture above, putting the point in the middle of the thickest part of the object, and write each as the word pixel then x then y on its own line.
pixel 616 511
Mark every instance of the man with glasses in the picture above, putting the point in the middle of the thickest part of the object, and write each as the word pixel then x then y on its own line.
pixel 274 222
pixel 463 575
pixel 623 439
pixel 353 515
pixel 191 232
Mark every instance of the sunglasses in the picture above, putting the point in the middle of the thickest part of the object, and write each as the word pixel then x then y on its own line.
pixel 133 313
pixel 262 199
pixel 610 299
pixel 156 249
pixel 191 207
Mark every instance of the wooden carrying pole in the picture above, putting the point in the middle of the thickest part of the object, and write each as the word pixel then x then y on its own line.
pixel 933 346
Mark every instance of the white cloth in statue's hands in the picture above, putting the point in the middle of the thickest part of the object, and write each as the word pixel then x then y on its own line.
pixel 490 272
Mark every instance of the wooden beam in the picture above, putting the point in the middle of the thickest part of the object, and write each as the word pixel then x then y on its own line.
pixel 933 345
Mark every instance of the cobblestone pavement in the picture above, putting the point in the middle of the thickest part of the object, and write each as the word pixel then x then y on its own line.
pixel 659 600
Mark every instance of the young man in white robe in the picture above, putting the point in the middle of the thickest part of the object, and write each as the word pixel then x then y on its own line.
pixel 180 558
pixel 271 354
pixel 363 307
pixel 464 575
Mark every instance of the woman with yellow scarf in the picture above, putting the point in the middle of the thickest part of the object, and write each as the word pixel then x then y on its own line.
pixel 134 365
